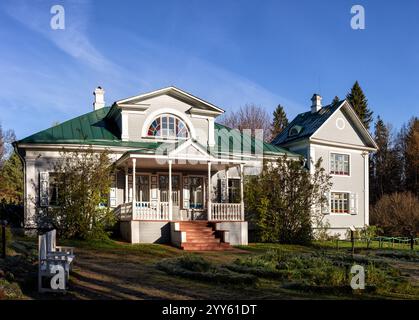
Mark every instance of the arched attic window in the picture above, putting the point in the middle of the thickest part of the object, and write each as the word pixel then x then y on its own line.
pixel 168 126
pixel 295 130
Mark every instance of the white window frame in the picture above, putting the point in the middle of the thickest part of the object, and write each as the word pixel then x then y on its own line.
pixel 330 164
pixel 165 132
pixel 349 204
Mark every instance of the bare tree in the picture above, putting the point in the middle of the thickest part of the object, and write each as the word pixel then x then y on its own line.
pixel 2 147
pixel 397 214
pixel 6 149
pixel 251 117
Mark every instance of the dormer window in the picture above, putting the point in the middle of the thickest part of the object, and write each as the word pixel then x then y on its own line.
pixel 294 131
pixel 168 126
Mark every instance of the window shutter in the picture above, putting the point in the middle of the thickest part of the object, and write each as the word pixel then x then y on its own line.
pixel 326 206
pixel 353 202
pixel 43 189
pixel 112 193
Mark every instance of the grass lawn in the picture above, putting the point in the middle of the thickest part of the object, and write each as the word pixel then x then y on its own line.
pixel 116 270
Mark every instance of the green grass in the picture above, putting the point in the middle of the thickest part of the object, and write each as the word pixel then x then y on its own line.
pixel 363 245
pixel 256 271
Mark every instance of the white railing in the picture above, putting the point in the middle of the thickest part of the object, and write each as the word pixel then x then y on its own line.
pixel 151 211
pixel 124 212
pixel 226 212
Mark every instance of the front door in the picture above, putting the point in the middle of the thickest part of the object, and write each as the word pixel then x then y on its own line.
pixel 164 192
pixel 143 188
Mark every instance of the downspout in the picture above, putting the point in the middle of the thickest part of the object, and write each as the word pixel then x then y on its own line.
pixel 22 159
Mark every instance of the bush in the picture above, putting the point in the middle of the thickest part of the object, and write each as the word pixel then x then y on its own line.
pixel 83 179
pixel 195 267
pixel 280 201
pixel 397 214
pixel 322 271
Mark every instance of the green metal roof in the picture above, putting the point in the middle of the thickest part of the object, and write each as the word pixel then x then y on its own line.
pixel 90 129
pixel 237 142
pixel 307 124
pixel 99 128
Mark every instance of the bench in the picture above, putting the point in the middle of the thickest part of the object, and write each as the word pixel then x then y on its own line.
pixel 52 258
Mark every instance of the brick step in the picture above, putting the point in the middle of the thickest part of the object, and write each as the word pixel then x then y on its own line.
pixel 206 230
pixel 194 225
pixel 202 247
pixel 199 236
pixel 202 240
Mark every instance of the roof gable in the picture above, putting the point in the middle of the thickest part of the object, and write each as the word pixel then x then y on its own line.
pixel 309 123
pixel 312 124
pixel 341 129
pixel 198 105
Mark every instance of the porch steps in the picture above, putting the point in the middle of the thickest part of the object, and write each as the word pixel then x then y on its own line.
pixel 200 236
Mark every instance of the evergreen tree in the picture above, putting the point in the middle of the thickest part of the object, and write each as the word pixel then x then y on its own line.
pixel 385 165
pixel 360 104
pixel 280 121
pixel 335 101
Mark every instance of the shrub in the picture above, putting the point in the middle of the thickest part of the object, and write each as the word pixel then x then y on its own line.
pixel 397 214
pixel 195 267
pixel 280 201
pixel 83 179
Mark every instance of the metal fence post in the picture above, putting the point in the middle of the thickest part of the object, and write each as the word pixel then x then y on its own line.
pixel 412 241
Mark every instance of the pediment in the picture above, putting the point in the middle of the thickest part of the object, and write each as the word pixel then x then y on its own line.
pixel 198 106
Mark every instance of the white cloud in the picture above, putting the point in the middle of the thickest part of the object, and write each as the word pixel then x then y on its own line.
pixel 72 40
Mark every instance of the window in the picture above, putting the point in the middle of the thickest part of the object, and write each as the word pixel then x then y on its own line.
pixel 233 190
pixel 168 126
pixel 196 191
pixel 53 190
pixel 339 202
pixel 339 164
pixel 143 188
pixel 295 130
pixel 164 188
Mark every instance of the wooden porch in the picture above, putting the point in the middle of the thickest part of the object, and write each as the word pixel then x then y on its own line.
pixel 173 190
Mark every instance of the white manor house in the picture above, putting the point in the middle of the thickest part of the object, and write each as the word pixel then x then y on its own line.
pixel 179 176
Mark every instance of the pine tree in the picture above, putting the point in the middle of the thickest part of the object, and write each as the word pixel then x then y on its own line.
pixel 280 121
pixel 335 101
pixel 359 102
pixel 385 165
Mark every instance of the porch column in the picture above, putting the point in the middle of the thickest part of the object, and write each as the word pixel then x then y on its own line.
pixel 134 162
pixel 241 192
pixel 209 213
pixel 126 185
pixel 170 192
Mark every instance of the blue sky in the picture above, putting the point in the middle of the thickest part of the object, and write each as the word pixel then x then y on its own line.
pixel 229 52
